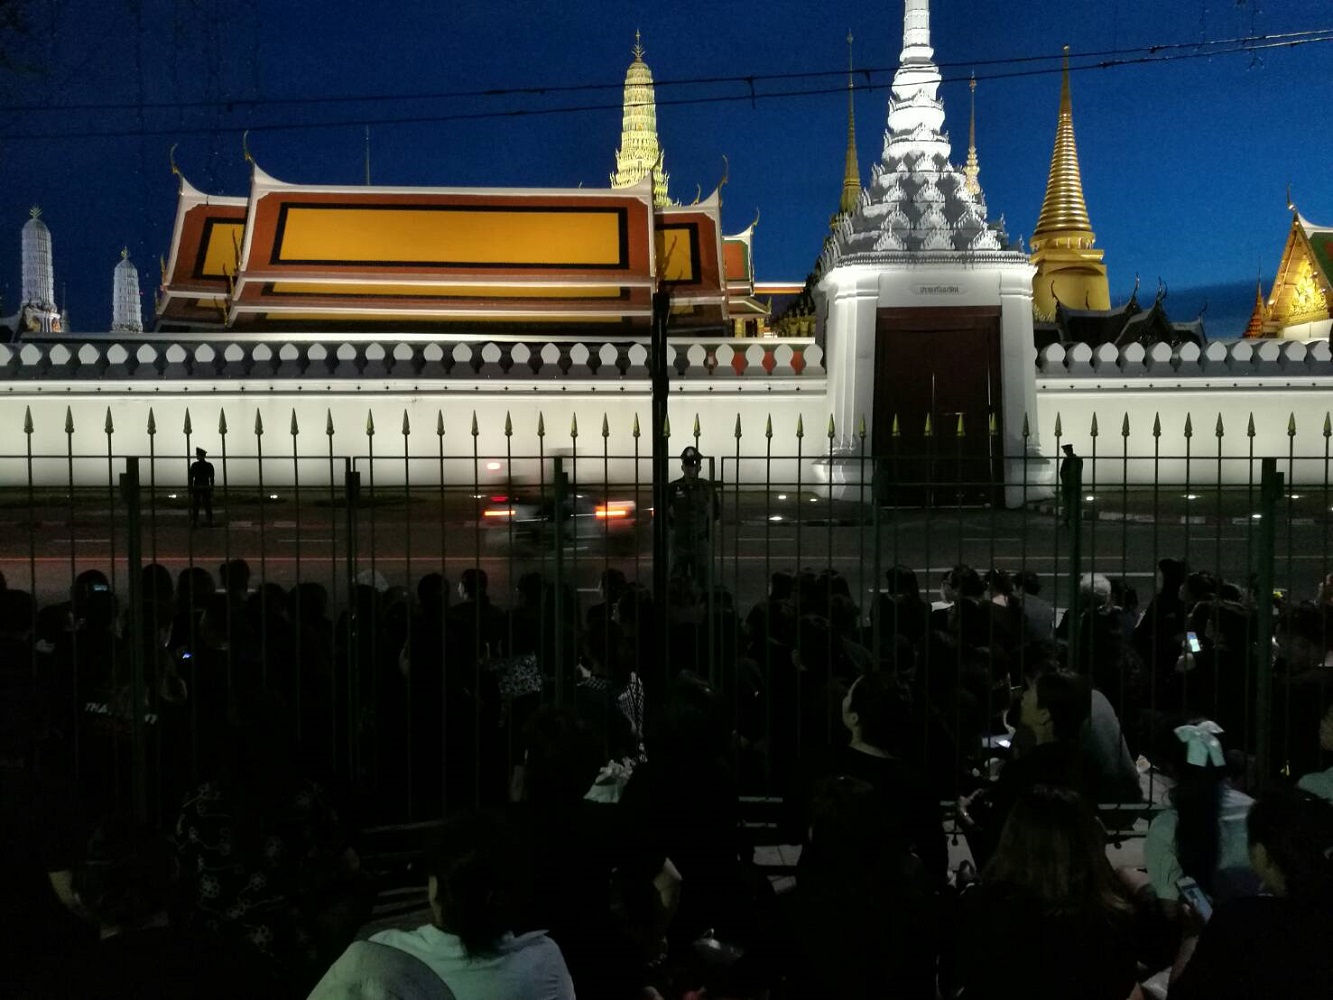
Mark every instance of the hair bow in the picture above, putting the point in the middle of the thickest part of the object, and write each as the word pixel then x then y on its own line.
pixel 1201 744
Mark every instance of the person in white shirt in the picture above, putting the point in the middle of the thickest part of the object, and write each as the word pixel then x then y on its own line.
pixel 469 946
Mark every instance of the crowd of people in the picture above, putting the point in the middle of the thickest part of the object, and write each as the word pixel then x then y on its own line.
pixel 190 766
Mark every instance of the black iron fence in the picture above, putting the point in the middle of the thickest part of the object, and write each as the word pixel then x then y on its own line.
pixel 341 594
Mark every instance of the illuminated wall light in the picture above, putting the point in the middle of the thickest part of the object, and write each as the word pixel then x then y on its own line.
pixel 1089 498
pixel 1256 516
pixel 782 496
pixel 1191 496
pixel 273 496
pixel 493 466
pixel 171 496
pixel 775 517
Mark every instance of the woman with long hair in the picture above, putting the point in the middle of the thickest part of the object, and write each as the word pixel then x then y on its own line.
pixel 1050 918
pixel 1201 835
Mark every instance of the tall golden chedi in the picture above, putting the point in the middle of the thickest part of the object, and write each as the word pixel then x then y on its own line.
pixel 851 173
pixel 1069 270
pixel 639 152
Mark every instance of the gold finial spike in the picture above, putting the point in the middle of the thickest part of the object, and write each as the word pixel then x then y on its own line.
pixel 851 174
pixel 1059 430
pixel 27 420
pixel 259 424
pixel 222 422
pixel 861 428
pixel 295 428
pixel 638 49
pixel 370 423
pixel 666 427
pixel 800 427
pixel 35 212
pixel 635 431
pixel 1027 427
pixel 1218 432
pixel 328 422
pixel 768 427
pixel 1328 425
pixel 1064 211
pixel 959 432
pixel 896 430
pixel 541 425
pixel 574 425
pixel 1157 425
pixel 124 253
pixel 245 148
pixel 69 421
pixel 993 426
pixel 1291 426
pixel 830 427
pixel 606 426
pixel 152 423
pixel 171 158
pixel 1093 431
pixel 738 427
pixel 696 427
pixel 109 427
pixel 972 169
pixel 1124 427
pixel 187 429
pixel 475 432
pixel 930 431
pixel 1189 426
pixel 439 423
pixel 407 425
pixel 509 425
pixel 1249 431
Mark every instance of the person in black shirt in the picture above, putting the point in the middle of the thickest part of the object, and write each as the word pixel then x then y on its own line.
pixel 201 487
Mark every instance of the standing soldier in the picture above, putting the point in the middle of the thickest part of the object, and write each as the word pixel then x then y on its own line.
pixel 691 510
pixel 201 487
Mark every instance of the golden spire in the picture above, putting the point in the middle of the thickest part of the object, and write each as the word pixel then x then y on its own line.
pixel 1064 213
pixel 1259 316
pixel 640 153
pixel 851 175
pixel 973 167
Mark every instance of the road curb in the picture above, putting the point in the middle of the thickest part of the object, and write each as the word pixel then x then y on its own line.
pixel 1193 520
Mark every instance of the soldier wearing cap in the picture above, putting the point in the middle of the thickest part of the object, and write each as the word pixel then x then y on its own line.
pixel 201 487
pixel 691 510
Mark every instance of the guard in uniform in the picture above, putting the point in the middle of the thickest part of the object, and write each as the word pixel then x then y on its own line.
pixel 691 510
pixel 201 487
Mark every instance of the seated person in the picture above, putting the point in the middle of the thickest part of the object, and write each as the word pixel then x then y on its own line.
pixel 1049 919
pixel 1275 945
pixel 1051 715
pixel 1321 782
pixel 1202 833
pixel 123 887
pixel 475 894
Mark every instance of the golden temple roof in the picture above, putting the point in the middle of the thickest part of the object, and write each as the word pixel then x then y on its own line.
pixel 1064 213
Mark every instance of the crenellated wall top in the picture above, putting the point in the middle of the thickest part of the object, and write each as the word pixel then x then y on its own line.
pixel 1220 359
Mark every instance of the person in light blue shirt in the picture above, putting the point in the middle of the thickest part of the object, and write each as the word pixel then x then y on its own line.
pixel 1321 782
pixel 468 946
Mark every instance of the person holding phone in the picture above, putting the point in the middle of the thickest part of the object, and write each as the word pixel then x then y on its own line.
pixel 1275 945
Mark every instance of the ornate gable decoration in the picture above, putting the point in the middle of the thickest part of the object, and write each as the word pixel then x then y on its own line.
pixel 917 201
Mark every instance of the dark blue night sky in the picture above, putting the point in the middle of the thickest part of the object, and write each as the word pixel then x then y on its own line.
pixel 1185 164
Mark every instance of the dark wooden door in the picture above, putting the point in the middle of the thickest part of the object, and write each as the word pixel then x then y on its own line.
pixel 940 364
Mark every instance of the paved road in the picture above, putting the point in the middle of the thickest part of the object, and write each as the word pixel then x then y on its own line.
pixel 43 547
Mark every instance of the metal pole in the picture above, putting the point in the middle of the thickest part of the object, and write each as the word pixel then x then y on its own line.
pixel 129 488
pixel 1271 485
pixel 658 371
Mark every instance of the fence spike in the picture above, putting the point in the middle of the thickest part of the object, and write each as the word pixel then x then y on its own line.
pixel 407 424
pixel 960 432
pixel 27 420
pixel 328 423
pixel 800 427
pixel 1157 425
pixel 1189 426
pixel 1059 429
pixel 861 428
pixel 635 431
pixel 541 425
pixel 222 422
pixel 1124 427
pixel 439 423
pixel 830 427
pixel 187 430
pixel 1092 432
pixel 370 423
pixel 1249 431
pixel 295 427
pixel 69 421
pixel 696 427
pixel 1219 432
pixel 666 427
pixel 1328 425
pixel 768 427
pixel 896 431
pixel 509 425
pixel 994 425
pixel 574 425
pixel 1027 427
pixel 738 427
pixel 475 432
pixel 1291 426
pixel 259 425
pixel 110 426
pixel 606 426
pixel 152 423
